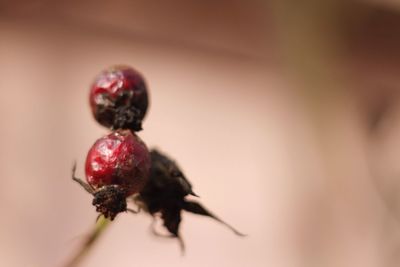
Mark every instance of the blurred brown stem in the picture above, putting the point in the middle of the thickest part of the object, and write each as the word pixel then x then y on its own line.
pixel 93 236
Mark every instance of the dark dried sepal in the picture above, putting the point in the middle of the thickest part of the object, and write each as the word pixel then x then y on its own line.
pixel 120 113
pixel 197 208
pixel 165 193
pixel 172 219
pixel 165 173
pixel 127 117
pixel 110 200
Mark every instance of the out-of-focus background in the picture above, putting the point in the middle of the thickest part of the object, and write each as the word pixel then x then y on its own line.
pixel 283 114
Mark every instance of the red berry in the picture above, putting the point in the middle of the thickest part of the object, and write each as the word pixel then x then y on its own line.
pixel 119 98
pixel 121 159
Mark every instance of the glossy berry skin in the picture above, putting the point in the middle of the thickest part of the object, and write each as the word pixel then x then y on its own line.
pixel 121 159
pixel 119 98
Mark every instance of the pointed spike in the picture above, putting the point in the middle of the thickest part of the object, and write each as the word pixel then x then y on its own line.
pixel 193 194
pixel 153 229
pixel 98 217
pixel 133 211
pixel 181 244
pixel 197 208
pixel 86 186
pixel 73 169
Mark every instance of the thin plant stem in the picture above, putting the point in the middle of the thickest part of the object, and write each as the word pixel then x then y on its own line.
pixel 101 225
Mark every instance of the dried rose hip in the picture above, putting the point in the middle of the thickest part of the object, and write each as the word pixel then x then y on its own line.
pixel 119 98
pixel 117 166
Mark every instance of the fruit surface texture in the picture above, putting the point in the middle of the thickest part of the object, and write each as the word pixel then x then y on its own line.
pixel 119 158
pixel 119 98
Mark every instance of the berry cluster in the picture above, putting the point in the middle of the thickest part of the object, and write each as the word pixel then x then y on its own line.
pixel 119 166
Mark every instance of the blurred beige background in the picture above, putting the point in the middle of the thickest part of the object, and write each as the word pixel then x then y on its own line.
pixel 311 177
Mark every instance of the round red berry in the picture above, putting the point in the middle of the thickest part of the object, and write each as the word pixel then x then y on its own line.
pixel 119 98
pixel 120 158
